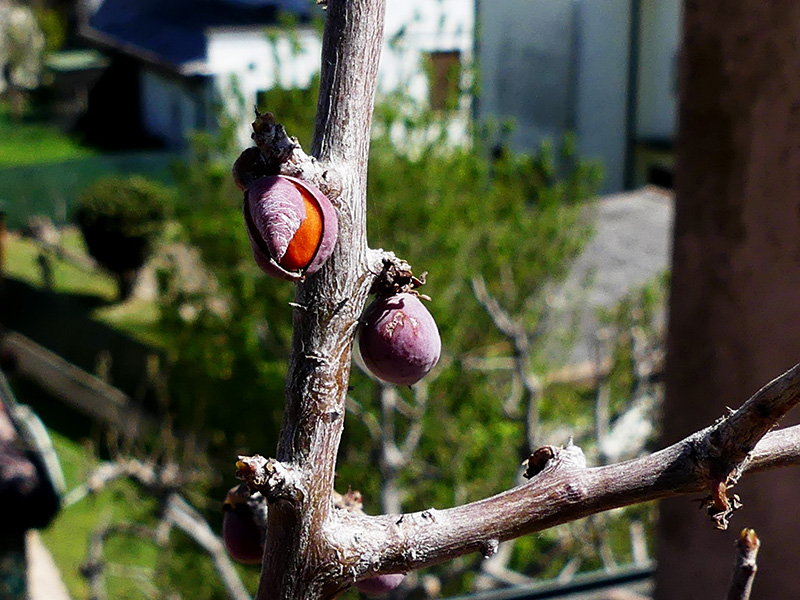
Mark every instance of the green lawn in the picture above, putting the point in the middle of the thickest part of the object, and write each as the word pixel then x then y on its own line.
pixel 137 318
pixel 68 535
pixel 24 143
pixel 136 568
pixel 21 262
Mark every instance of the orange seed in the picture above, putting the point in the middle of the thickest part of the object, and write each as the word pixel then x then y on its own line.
pixel 306 239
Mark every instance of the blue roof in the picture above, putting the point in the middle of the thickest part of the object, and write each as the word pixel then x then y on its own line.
pixel 175 29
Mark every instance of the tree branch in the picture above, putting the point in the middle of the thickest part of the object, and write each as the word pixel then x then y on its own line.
pixel 298 561
pixel 521 342
pixel 93 568
pixel 566 490
pixel 159 481
pixel 314 550
pixel 192 523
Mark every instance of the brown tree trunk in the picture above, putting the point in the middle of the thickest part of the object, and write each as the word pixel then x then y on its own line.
pixel 735 298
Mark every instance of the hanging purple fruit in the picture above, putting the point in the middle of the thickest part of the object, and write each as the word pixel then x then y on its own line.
pixel 399 340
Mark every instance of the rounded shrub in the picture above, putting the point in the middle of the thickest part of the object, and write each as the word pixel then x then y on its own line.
pixel 120 218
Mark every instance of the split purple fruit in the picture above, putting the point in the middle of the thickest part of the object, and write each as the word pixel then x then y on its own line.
pixel 399 340
pixel 380 585
pixel 292 226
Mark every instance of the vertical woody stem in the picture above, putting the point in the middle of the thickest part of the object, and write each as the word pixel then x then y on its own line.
pixel 299 562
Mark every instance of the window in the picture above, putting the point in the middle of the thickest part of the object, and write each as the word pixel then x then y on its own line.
pixel 444 75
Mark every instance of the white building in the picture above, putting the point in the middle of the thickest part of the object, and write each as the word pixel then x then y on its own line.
pixel 234 49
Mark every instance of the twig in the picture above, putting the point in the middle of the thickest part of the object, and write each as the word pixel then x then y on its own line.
pixel 192 523
pixel 744 570
pixel 521 342
pixel 93 568
pixel 367 418
pixel 160 482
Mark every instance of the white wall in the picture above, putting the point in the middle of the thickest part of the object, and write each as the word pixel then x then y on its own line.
pixel 246 61
pixel 527 68
pixel 256 61
pixel 657 102
pixel 426 25
pixel 602 86
pixel 553 66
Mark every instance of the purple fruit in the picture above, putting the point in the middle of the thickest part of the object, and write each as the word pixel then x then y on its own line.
pixel 242 533
pixel 292 226
pixel 242 537
pixel 399 340
pixel 380 585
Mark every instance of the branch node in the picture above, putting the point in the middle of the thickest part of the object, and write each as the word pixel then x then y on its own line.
pixel 550 457
pixel 489 548
pixel 272 140
pixel 274 479
pixel 331 183
pixel 429 514
pixel 537 461
pixel 396 277
pixel 719 506
pixel 351 500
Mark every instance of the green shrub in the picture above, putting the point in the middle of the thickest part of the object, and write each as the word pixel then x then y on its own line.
pixel 120 218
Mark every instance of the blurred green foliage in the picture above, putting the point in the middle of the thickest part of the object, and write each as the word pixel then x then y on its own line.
pixel 54 25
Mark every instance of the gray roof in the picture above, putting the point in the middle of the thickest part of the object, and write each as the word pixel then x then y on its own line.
pixel 632 245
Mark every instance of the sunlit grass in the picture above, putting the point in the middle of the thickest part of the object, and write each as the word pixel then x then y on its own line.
pixel 22 262
pixel 24 143
pixel 138 318
pixel 136 568
pixel 67 537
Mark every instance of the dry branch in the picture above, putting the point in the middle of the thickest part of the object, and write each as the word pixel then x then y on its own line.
pixel 567 490
pixel 94 567
pixel 521 341
pixel 160 482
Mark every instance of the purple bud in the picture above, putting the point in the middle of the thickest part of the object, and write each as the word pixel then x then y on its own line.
pixel 379 585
